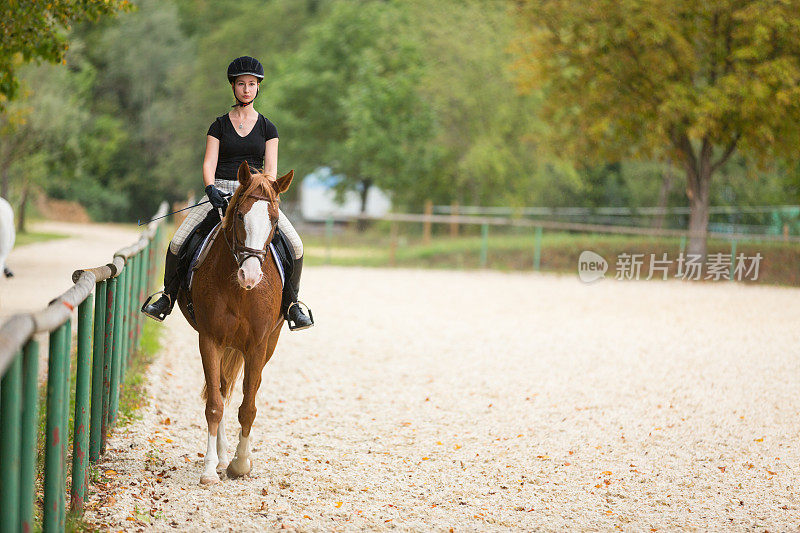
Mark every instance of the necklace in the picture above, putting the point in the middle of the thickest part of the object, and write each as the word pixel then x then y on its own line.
pixel 241 123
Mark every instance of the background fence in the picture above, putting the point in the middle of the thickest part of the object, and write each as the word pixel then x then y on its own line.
pixel 537 227
pixel 109 328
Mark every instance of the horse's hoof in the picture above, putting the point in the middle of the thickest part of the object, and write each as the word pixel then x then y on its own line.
pixel 222 466
pixel 209 480
pixel 236 469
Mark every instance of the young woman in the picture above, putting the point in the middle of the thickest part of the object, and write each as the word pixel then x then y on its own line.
pixel 242 134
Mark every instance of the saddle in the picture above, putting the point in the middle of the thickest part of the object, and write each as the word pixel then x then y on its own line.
pixel 196 246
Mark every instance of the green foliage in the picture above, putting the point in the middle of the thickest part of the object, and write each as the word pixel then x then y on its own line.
pixel 685 80
pixel 347 99
pixel 103 130
pixel 35 30
pixel 417 97
pixel 494 150
pixel 634 77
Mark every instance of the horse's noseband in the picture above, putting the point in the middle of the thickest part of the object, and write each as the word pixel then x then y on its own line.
pixel 241 252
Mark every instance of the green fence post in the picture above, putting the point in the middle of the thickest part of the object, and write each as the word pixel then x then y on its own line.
pixel 151 267
pixel 126 283
pixel 733 258
pixel 10 421
pixel 95 438
pixel 67 349
pixel 80 439
pixel 537 249
pixel 137 260
pixel 137 297
pixel 53 489
pixel 30 423
pixel 130 268
pixel 108 357
pixel 328 238
pixel 142 288
pixel 116 356
pixel 682 251
pixel 154 257
pixel 484 244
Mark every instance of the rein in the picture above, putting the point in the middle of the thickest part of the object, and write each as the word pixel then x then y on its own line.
pixel 241 252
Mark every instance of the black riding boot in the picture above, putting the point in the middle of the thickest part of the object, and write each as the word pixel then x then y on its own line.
pixel 159 309
pixel 294 314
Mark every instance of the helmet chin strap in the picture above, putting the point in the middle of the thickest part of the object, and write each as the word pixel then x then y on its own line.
pixel 243 104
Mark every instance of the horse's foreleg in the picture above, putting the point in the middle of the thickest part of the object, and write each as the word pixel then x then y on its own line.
pixel 241 464
pixel 210 354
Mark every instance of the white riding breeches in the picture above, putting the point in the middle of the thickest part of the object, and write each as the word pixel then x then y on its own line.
pixel 198 213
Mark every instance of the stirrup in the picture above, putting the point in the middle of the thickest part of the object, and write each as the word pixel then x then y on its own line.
pixel 292 325
pixel 161 317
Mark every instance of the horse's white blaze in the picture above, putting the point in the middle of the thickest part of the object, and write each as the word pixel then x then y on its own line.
pixel 210 462
pixel 257 228
pixel 257 225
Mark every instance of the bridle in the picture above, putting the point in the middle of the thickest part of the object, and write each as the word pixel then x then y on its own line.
pixel 241 252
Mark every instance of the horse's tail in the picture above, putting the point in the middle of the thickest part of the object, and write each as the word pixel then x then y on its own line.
pixel 230 367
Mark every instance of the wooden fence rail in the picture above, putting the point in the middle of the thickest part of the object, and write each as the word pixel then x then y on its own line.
pixel 454 220
pixel 109 328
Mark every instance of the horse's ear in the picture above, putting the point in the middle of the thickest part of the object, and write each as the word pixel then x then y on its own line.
pixel 282 183
pixel 243 174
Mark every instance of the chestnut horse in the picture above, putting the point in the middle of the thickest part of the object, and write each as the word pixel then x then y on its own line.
pixel 236 294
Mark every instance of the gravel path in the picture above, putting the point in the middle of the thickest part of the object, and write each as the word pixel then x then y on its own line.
pixel 483 401
pixel 43 270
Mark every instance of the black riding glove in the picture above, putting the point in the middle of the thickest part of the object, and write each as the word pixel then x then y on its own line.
pixel 216 198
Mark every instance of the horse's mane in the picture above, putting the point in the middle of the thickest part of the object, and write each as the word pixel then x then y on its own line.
pixel 258 181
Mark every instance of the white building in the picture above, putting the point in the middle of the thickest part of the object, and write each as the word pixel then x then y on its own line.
pixel 318 198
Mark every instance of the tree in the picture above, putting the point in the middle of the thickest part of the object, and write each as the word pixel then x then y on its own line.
pixel 347 99
pixel 690 81
pixel 33 30
pixel 492 141
pixel 57 145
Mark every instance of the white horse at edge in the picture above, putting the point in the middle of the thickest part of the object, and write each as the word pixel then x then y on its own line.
pixel 7 235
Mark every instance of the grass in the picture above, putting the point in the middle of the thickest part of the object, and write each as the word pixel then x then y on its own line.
pixel 30 237
pixel 131 399
pixel 132 396
pixel 513 250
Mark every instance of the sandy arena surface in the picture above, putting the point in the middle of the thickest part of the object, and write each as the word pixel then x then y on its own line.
pixel 43 270
pixel 484 401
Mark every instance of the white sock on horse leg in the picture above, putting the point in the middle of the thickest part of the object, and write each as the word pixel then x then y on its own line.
pixel 241 464
pixel 210 462
pixel 243 448
pixel 222 444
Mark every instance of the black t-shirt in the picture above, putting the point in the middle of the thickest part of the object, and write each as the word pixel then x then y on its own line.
pixel 233 148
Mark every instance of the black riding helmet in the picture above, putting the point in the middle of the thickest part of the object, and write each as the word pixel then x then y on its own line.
pixel 241 66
